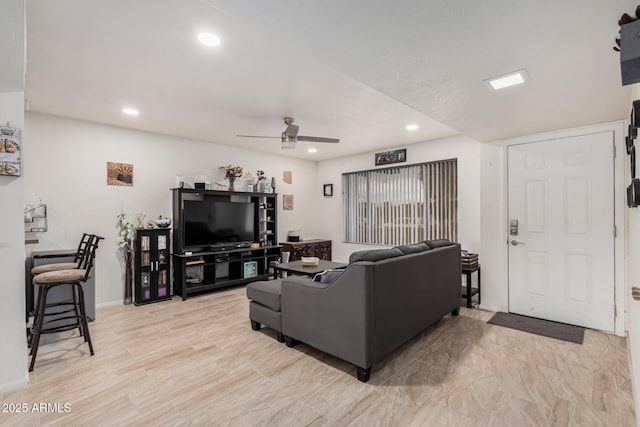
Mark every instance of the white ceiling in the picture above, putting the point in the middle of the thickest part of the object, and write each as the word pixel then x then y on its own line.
pixel 358 70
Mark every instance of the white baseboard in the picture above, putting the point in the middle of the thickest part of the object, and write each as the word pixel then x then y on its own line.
pixel 15 384
pixel 109 304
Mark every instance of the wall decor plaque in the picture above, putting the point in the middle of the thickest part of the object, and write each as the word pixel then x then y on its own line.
pixel 10 150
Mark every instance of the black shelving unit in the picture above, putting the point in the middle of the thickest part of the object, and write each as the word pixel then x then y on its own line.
pixel 202 269
pixel 152 265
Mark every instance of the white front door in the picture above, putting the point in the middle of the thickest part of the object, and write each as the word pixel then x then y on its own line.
pixel 561 261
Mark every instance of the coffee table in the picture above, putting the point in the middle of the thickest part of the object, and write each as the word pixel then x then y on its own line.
pixel 296 267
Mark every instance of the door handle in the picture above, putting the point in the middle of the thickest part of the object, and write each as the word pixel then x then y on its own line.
pixel 515 242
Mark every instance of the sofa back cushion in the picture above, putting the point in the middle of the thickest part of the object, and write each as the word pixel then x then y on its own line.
pixel 438 243
pixel 374 255
pixel 412 249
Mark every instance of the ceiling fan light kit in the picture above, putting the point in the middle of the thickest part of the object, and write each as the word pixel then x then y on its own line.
pixel 288 143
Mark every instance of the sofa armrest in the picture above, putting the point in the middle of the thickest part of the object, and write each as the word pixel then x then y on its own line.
pixel 332 317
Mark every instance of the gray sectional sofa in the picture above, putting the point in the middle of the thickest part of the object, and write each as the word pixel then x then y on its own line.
pixel 382 299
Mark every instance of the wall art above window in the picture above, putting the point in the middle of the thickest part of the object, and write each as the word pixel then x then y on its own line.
pixel 389 157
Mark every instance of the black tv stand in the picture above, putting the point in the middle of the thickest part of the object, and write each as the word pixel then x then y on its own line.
pixel 199 269
pixel 204 271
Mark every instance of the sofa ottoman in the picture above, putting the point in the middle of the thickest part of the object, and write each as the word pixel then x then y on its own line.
pixel 265 305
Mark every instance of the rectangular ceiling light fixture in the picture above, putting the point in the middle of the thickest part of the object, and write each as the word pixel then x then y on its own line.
pixel 507 80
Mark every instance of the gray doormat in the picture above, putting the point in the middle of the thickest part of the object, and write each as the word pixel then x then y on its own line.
pixel 560 331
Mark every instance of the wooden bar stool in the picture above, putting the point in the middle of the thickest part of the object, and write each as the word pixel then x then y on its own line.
pixel 74 317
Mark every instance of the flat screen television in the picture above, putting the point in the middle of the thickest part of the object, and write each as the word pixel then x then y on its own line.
pixel 211 224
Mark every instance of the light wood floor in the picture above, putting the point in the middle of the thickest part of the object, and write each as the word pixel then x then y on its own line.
pixel 199 363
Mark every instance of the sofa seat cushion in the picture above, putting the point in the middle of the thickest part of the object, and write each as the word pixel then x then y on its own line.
pixel 415 248
pixel 59 276
pixel 266 293
pixel 374 255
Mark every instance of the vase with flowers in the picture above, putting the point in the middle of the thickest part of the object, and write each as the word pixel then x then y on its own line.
pixel 126 232
pixel 231 173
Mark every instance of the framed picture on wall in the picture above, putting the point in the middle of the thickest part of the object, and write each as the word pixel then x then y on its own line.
pixel 328 190
pixel 287 202
pixel 119 174
pixel 10 150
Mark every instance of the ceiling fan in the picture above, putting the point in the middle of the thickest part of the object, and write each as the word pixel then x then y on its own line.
pixel 290 136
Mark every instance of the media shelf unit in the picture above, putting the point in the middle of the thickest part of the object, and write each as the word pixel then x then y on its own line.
pixel 205 271
pixel 201 267
pixel 151 265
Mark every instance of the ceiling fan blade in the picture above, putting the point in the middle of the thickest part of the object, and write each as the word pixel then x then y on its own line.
pixel 257 136
pixel 292 131
pixel 317 139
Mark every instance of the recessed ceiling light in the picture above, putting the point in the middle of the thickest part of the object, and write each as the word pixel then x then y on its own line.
pixel 411 127
pixel 312 150
pixel 209 39
pixel 130 111
pixel 508 80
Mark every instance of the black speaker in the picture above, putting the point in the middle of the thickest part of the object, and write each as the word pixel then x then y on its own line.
pixel 633 193
pixel 635 114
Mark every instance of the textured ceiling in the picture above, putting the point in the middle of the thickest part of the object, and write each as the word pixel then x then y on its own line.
pixel 358 70
pixel 434 55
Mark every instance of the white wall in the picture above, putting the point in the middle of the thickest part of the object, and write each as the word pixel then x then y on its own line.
pixel 466 150
pixel 66 164
pixel 13 361
pixel 633 279
pixel 495 291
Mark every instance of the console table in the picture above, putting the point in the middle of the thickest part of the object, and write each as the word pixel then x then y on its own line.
pixel 317 247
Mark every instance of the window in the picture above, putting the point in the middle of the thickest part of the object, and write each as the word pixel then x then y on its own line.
pixel 401 205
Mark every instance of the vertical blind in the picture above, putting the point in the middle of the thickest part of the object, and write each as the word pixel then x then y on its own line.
pixel 401 205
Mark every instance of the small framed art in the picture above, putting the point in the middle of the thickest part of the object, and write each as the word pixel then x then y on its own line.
pixel 328 190
pixel 287 202
pixel 119 174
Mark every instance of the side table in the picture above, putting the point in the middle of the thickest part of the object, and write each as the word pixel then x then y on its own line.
pixel 469 291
